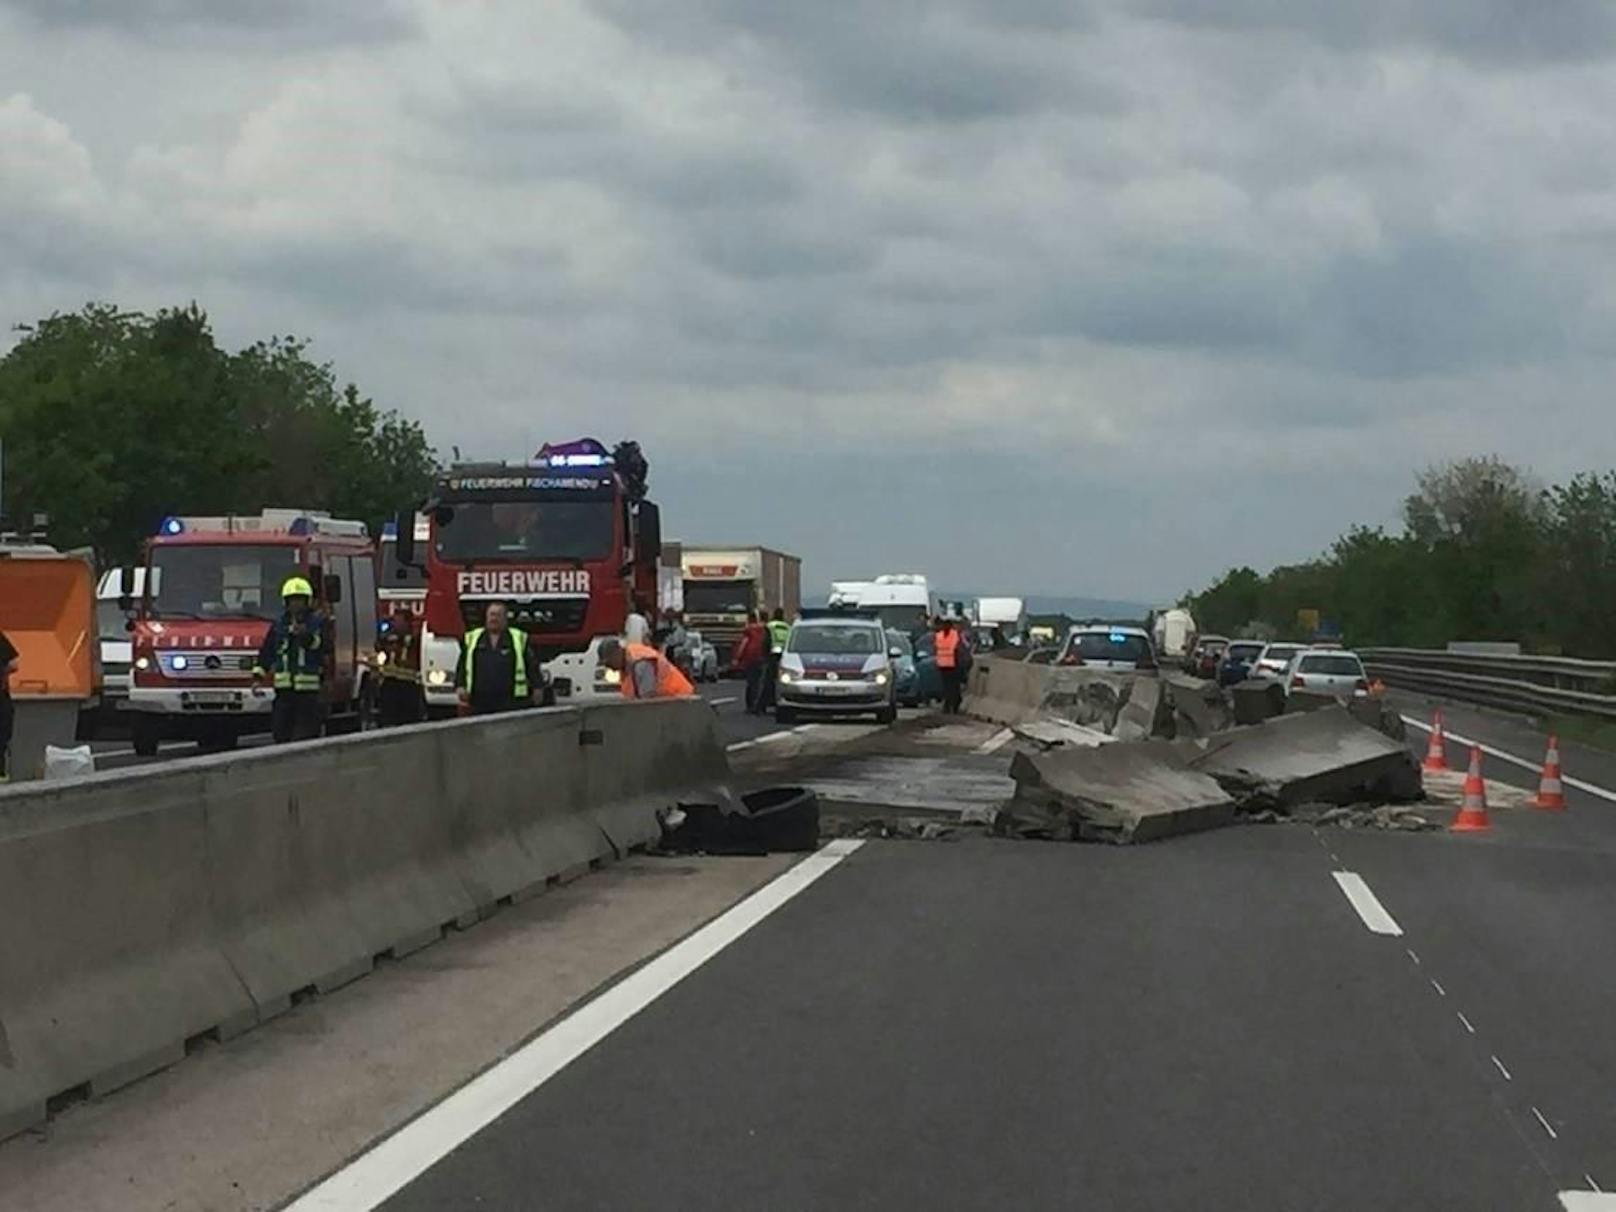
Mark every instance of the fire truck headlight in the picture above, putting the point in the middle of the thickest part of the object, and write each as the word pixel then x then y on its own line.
pixel 611 677
pixel 143 663
pixel 437 677
pixel 381 658
pixel 181 664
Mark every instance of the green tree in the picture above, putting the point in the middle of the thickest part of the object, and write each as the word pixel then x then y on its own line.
pixel 112 420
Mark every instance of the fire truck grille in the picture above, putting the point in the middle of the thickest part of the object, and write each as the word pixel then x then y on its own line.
pixel 204 663
pixel 552 616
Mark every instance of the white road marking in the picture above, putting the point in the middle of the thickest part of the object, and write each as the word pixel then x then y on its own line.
pixel 1547 1127
pixel 1587 1201
pixel 1363 900
pixel 1589 1179
pixel 1467 1025
pixel 1412 956
pixel 385 1169
pixel 1502 1070
pixel 1535 767
pixel 997 741
pixel 1440 991
pixel 724 702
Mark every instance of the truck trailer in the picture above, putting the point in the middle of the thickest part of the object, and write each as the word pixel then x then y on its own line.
pixel 722 584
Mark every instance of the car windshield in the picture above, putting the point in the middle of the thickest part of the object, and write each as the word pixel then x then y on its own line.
pixel 1109 646
pixel 1336 666
pixel 718 597
pixel 824 640
pixel 896 639
pixel 219 580
pixel 1243 652
pixel 1281 653
pixel 575 526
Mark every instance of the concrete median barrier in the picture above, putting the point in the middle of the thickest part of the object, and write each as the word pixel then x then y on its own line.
pixel 142 909
pixel 1006 692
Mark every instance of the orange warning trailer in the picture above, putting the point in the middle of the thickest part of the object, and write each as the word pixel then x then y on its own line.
pixel 47 610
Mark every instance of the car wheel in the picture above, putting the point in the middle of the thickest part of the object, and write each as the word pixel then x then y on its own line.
pixel 145 733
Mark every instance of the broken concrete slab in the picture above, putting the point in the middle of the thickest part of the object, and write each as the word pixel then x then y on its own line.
pixel 1051 732
pixel 1255 701
pixel 1324 756
pixel 1136 792
pixel 1200 707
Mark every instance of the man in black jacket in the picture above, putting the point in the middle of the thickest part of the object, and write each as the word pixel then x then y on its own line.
pixel 498 669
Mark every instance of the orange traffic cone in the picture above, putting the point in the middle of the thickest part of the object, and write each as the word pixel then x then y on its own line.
pixel 1436 753
pixel 1472 816
pixel 1550 789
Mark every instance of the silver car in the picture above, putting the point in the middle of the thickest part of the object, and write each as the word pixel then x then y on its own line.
pixel 837 666
pixel 703 657
pixel 1105 647
pixel 1327 671
pixel 1272 662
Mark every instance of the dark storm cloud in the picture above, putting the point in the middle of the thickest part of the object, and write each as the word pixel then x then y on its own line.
pixel 947 62
pixel 1499 31
pixel 300 20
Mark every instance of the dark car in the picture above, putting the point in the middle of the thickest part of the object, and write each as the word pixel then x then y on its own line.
pixel 1208 655
pixel 1237 661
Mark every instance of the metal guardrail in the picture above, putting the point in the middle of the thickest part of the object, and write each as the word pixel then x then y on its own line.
pixel 1559 685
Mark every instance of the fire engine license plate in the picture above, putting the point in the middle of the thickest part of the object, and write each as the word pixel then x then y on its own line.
pixel 213 698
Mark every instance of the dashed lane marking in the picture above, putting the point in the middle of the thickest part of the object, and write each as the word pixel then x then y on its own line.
pixel 378 1174
pixel 1369 908
pixel 1503 755
pixel 1547 1127
pixel 1500 1066
pixel 724 702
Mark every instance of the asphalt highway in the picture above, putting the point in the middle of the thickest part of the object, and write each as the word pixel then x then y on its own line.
pixel 1267 1017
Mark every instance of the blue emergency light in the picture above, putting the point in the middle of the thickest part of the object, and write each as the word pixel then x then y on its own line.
pixel 585 452
pixel 172 526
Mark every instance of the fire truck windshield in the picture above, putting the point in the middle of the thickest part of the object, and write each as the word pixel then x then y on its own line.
pixel 396 575
pixel 219 581
pixel 571 527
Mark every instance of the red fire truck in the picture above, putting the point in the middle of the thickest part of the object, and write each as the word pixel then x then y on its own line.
pixel 212 587
pixel 567 540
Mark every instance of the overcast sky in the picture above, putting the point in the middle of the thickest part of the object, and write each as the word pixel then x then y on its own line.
pixel 1037 295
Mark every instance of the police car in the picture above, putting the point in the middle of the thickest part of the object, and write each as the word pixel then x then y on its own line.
pixel 1109 646
pixel 837 664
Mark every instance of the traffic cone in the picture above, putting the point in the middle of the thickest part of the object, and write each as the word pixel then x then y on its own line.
pixel 1436 753
pixel 1550 789
pixel 1472 816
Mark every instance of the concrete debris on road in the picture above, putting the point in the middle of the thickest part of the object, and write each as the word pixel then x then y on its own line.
pixel 1131 792
pixel 1323 756
pixel 1051 732
pixel 902 828
pixel 1199 706
pixel 1391 817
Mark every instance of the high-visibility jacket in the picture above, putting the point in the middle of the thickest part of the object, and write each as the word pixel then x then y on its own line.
pixel 297 661
pixel 779 633
pixel 670 683
pixel 948 643
pixel 518 649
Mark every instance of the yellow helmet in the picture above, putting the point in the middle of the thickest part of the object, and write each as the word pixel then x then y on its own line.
pixel 297 586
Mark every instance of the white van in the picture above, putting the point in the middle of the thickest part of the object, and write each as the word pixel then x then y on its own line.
pixel 112 629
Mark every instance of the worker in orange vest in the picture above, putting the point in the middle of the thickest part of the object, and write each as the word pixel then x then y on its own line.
pixel 950 664
pixel 644 672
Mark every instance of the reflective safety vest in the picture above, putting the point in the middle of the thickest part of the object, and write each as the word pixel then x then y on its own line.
pixel 779 633
pixel 518 647
pixel 670 683
pixel 298 662
pixel 948 649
